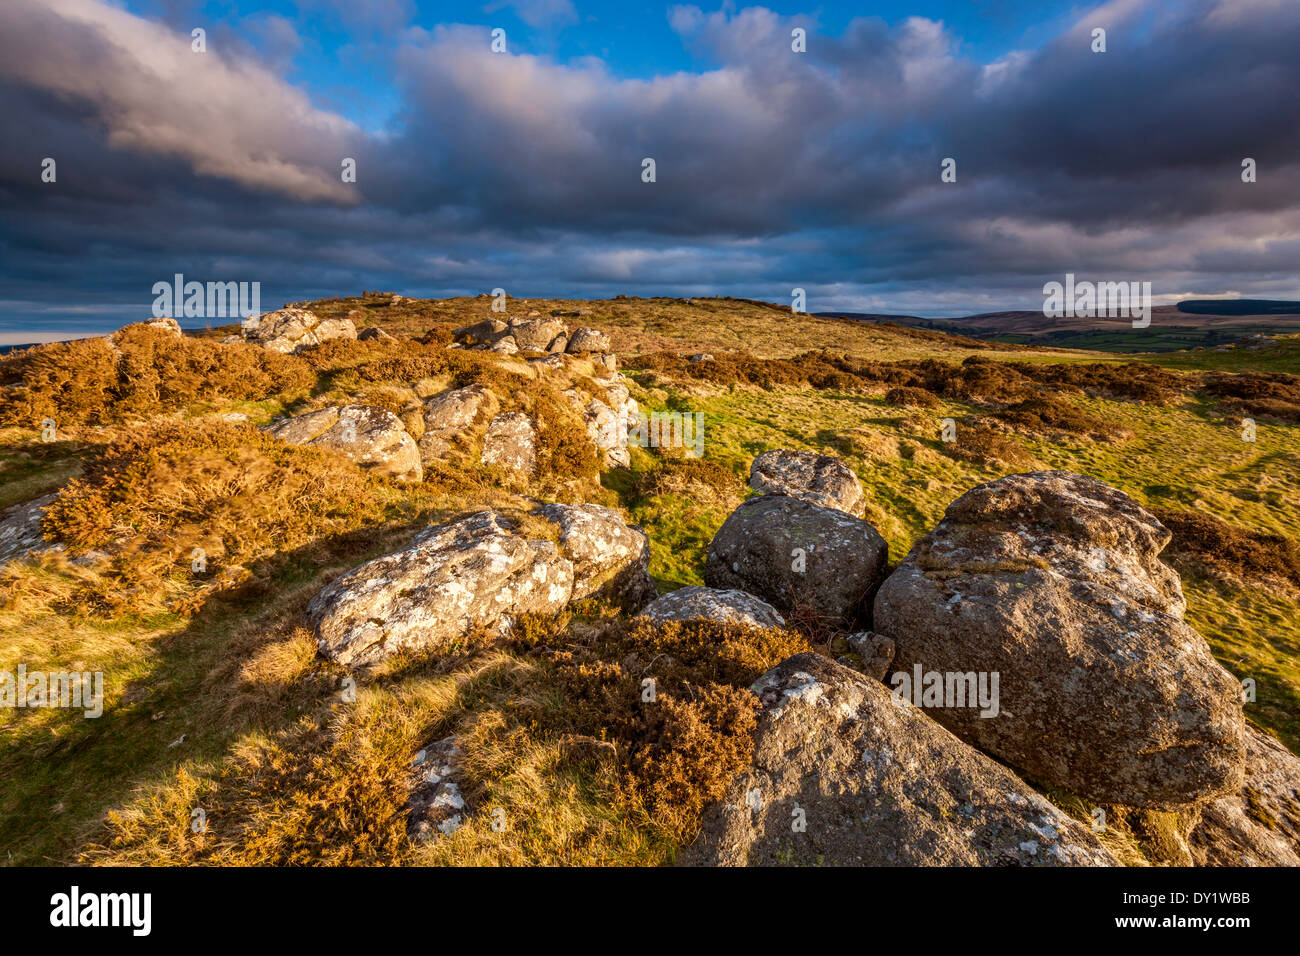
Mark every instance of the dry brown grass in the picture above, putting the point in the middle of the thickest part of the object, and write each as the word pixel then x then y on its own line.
pixel 159 493
pixel 1223 548
pixel 138 373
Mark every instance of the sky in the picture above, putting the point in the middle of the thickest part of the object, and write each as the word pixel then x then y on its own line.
pixel 522 169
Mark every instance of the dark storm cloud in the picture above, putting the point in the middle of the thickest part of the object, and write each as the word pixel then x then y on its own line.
pixel 774 169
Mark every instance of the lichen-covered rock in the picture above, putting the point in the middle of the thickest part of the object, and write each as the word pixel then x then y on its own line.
pixel 695 603
pixel 505 345
pixel 1053 581
pixel 842 776
pixel 608 555
pixel 511 442
pixel 20 528
pixel 793 553
pixel 1259 825
pixel 436 806
pixel 374 334
pixel 373 437
pixel 820 479
pixel 288 330
pixel 477 573
pixel 450 413
pixel 588 340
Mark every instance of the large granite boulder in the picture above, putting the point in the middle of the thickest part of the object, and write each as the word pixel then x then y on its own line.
pixel 1053 582
pixel 474 574
pixel 842 776
pixel 794 554
pixel 820 479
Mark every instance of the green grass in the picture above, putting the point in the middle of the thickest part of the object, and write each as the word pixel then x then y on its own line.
pixel 1180 457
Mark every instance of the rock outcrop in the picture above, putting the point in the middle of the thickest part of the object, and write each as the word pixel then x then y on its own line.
pixel 288 330
pixel 1053 582
pixel 1259 825
pixel 842 776
pixel 372 437
pixel 695 603
pixel 820 479
pixel 795 554
pixel 477 573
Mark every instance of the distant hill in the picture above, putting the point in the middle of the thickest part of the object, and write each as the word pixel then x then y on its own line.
pixel 1189 324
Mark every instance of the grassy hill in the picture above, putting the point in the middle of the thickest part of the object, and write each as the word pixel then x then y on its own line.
pixel 217 701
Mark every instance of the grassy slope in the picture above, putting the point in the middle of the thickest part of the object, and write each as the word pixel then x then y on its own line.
pixel 241 684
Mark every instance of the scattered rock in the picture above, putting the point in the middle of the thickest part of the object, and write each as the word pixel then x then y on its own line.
pixel 607 554
pixel 475 573
pixel 374 334
pixel 696 603
pixel 288 330
pixel 511 442
pixel 700 357
pixel 372 437
pixel 793 553
pixel 1052 581
pixel 1260 824
pixel 505 345
pixel 842 776
pixel 821 479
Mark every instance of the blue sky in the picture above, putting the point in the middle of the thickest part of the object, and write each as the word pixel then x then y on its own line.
pixel 522 170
